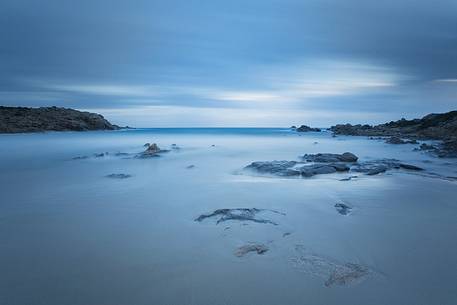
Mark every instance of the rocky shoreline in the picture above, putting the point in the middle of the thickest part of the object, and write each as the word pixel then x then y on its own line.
pixel 442 127
pixel 23 119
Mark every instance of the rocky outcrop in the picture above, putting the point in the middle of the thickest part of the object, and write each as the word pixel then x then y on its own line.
pixel 22 119
pixel 433 126
pixel 305 128
pixel 442 126
pixel 152 150
pixel 318 164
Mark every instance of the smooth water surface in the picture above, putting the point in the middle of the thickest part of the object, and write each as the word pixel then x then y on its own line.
pixel 70 235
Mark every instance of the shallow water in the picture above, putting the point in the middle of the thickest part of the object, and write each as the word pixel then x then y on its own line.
pixel 70 235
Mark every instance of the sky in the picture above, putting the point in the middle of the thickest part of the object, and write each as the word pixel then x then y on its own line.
pixel 173 63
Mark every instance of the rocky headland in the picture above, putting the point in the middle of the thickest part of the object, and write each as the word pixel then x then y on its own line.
pixel 23 119
pixel 435 126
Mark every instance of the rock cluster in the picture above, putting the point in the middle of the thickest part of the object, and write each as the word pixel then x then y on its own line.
pixel 22 119
pixel 325 163
pixel 442 126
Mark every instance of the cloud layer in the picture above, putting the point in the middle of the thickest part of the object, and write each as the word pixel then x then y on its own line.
pixel 237 63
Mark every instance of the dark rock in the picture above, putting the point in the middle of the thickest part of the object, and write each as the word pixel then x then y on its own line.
pixel 326 157
pixel 343 209
pixel 286 234
pixel 22 119
pixel 280 168
pixel 152 151
pixel 316 169
pixel 240 214
pixel 433 126
pixel 377 170
pixel 118 176
pixel 258 248
pixel 190 166
pixel 304 128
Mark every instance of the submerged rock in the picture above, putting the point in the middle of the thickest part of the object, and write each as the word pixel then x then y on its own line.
pixel 258 248
pixel 240 214
pixel 327 158
pixel 343 209
pixel 118 176
pixel 190 166
pixel 346 274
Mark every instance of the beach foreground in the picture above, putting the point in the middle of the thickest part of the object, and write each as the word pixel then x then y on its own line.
pixel 87 218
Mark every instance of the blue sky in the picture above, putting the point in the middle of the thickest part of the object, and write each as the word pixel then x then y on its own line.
pixel 231 63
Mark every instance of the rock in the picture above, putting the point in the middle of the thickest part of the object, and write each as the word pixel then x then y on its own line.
pixel 152 151
pixel 327 158
pixel 377 170
pixel 175 147
pixel 425 146
pixel 280 168
pixel 304 128
pixel 286 234
pixel 147 145
pixel 293 168
pixel 395 140
pixel 376 167
pixel 293 127
pixel 316 169
pixel 22 119
pixel 343 209
pixel 448 149
pixel 258 248
pixel 240 214
pixel 118 176
pixel 441 126
pixel 190 166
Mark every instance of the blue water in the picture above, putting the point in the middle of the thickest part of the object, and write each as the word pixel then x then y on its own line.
pixel 69 235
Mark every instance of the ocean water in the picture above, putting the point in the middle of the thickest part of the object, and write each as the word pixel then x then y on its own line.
pixel 70 235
